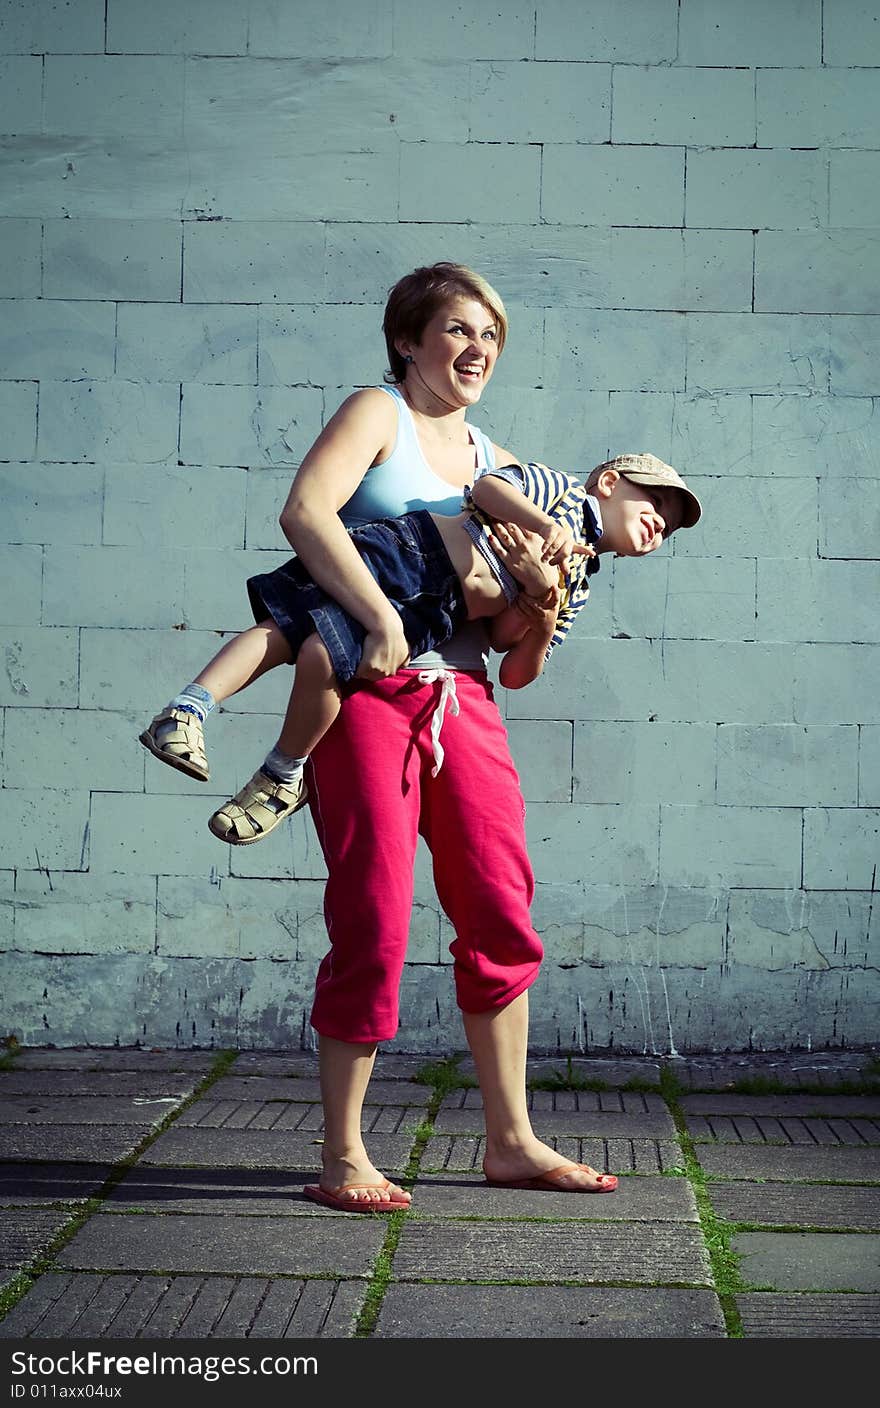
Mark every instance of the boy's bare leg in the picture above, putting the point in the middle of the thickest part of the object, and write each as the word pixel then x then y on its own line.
pixel 243 659
pixel 314 700
pixel 346 1068
pixel 498 1042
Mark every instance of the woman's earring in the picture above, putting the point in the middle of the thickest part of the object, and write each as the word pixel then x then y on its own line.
pixel 407 358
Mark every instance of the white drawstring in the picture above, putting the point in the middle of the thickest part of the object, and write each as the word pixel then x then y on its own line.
pixel 447 696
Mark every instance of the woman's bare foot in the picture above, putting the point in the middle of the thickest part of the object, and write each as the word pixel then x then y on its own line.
pixel 533 1160
pixel 355 1179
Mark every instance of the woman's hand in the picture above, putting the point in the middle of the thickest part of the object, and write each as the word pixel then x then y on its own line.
pixel 522 553
pixel 384 651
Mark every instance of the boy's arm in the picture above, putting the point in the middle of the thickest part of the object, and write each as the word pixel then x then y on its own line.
pixel 505 501
pixel 524 659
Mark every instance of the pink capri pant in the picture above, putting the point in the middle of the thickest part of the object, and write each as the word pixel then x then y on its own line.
pixel 372 792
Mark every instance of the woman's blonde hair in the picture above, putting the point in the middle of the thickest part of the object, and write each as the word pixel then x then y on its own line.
pixel 415 298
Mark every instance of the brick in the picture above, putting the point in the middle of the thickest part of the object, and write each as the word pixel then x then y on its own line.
pixel 822 435
pixel 640 420
pixel 133 421
pixel 55 339
pixel 432 175
pixel 229 917
pixel 144 835
pixel 645 32
pixel 347 29
pixel 18 416
pixel 290 853
pixel 21 84
pixel 317 345
pixel 117 912
pixel 832 271
pixel 711 435
pixel 682 269
pixel 817 601
pixel 785 34
pixel 34 837
pixel 756 352
pixel 836 684
pixel 126 179
pixel 116 96
pixel 52 503
pixel 643 763
pixel 246 261
pixel 530 421
pixel 112 259
pixel 869 766
pixel 542 756
pixel 240 425
pixel 7 908
pixel 854 344
pixel 40 27
pixel 684 106
pixel 789 765
pixel 688 923
pixel 540 102
pixel 166 27
pixel 266 495
pixel 751 190
pixel 840 848
pixel 20 271
pixel 813 930
pixel 40 667
pixel 158 505
pixel 740 846
pixel 608 185
pixel 849 518
pixel 620 840
pixel 187 342
pixel 851 33
pixel 21 568
pixel 690 598
pixel 341 185
pixel 753 518
pixel 854 194
pixel 818 107
pixel 727 682
pixel 73 749
pixel 616 351
pixel 112 586
pixel 499 33
pixel 215 595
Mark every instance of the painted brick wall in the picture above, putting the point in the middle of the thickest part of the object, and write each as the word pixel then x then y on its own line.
pixel 202 206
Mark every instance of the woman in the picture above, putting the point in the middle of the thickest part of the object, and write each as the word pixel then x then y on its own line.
pixel 376 779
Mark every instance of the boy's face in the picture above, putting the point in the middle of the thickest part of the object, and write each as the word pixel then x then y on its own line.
pixel 636 518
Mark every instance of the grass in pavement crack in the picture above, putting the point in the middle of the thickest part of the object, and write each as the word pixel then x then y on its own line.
pixel 716 1232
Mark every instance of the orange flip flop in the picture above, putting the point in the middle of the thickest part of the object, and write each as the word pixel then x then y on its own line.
pixel 553 1181
pixel 339 1203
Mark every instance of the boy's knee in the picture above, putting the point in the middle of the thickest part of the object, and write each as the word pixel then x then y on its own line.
pixel 314 658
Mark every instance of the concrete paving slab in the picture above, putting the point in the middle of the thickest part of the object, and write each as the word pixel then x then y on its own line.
pixel 333 1245
pixel 22 1184
pixel 809 1261
pixel 630 1102
pixel 79 1305
pixel 25 1233
pixel 568 1312
pixel 649 1199
pixel 464 1153
pixel 827 1069
pixel 819 1106
pixel 551 1253
pixel 379 1092
pixel 609 1070
pixel 261 1148
pixel 112 1058
pixel 275 1063
pixel 219 1192
pixel 208 1113
pixel 841 1165
pixel 586 1124
pixel 149 1085
pixel 797 1204
pixel 146 1111
pixel 69 1143
pixel 766 1315
pixel 770 1129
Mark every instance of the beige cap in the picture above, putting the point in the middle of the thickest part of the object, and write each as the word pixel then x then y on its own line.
pixel 647 469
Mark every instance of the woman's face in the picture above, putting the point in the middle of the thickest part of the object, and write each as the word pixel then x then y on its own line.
pixel 457 352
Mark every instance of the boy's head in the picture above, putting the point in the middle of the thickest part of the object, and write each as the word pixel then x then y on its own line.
pixel 643 502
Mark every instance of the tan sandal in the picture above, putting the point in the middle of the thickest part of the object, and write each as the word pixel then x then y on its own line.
pixel 257 809
pixel 176 737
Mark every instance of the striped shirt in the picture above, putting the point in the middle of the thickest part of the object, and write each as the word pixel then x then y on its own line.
pixel 564 499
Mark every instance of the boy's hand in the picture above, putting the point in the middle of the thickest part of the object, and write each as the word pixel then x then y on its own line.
pixel 560 545
pixel 541 611
pixel 522 553
pixel 384 652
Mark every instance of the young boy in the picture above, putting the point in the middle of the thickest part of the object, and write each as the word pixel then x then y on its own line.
pixel 438 571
